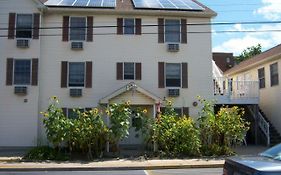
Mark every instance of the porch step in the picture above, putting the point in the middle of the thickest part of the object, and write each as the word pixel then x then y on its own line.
pixel 275 137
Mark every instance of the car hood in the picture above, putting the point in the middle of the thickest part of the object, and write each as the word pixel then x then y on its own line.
pixel 259 163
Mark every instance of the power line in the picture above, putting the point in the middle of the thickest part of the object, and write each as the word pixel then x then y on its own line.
pixel 156 25
pixel 152 33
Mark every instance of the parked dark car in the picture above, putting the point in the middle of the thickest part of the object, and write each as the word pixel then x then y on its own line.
pixel 266 163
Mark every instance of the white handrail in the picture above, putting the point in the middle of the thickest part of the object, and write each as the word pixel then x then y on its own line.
pixel 264 126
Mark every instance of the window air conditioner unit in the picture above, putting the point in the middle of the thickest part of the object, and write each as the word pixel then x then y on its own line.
pixel 23 43
pixel 20 90
pixel 173 92
pixel 77 45
pixel 75 92
pixel 173 47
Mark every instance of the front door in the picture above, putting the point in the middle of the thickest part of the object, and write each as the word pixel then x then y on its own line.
pixel 134 137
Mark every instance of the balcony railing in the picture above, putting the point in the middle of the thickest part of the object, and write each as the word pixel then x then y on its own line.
pixel 236 91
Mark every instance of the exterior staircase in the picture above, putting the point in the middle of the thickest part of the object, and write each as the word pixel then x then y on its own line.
pixel 275 137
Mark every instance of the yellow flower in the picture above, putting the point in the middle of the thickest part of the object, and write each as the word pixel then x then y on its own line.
pixel 169 102
pixel 96 111
pixel 144 111
pixel 128 103
pixel 107 112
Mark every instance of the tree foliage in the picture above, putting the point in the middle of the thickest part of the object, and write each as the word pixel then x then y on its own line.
pixel 248 53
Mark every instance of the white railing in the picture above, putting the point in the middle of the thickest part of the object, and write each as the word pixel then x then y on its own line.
pixel 263 125
pixel 236 89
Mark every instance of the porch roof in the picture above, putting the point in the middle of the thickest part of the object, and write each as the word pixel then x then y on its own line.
pixel 130 87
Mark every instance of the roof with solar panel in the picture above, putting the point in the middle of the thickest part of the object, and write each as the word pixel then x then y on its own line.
pixel 183 5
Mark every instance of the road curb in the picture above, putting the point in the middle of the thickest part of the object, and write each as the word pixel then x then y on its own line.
pixel 152 167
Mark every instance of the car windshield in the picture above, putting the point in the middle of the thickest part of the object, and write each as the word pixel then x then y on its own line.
pixel 274 152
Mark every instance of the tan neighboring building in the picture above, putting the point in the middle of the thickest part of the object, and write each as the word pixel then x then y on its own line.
pixel 265 68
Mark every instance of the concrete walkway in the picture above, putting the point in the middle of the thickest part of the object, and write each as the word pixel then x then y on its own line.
pixel 13 163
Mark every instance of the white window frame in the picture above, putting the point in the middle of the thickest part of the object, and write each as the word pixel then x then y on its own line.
pixel 134 26
pixel 68 74
pixel 69 29
pixel 32 24
pixel 134 70
pixel 165 31
pixel 30 76
pixel 262 68
pixel 166 76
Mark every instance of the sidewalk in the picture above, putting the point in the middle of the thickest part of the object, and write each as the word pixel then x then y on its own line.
pixel 12 163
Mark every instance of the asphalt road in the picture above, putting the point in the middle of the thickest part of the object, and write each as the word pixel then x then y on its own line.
pixel 201 171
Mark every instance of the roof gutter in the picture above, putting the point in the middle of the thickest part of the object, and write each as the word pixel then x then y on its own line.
pixel 109 11
pixel 271 58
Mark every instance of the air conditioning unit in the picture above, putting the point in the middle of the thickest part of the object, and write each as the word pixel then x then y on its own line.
pixel 173 92
pixel 75 92
pixel 23 43
pixel 20 90
pixel 173 47
pixel 77 45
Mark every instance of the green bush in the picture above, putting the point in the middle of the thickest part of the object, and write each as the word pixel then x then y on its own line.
pixel 176 136
pixel 219 131
pixel 45 153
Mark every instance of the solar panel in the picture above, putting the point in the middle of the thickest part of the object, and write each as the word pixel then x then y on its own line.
pixel 82 3
pixel 167 4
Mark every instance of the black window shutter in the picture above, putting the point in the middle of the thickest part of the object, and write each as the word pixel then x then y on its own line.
pixel 160 30
pixel 183 31
pixel 65 28
pixel 34 80
pixel 138 26
pixel 185 111
pixel 161 76
pixel 90 21
pixel 89 71
pixel 119 26
pixel 9 71
pixel 138 71
pixel 184 75
pixel 36 25
pixel 11 27
pixel 64 68
pixel 119 72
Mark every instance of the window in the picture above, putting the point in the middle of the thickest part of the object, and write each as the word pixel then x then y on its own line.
pixel 24 26
pixel 172 30
pixel 173 74
pixel 77 28
pixel 76 74
pixel 261 78
pixel 274 74
pixel 22 72
pixel 129 26
pixel 129 71
pixel 73 115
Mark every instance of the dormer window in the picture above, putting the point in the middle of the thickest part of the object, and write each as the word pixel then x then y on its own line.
pixel 24 26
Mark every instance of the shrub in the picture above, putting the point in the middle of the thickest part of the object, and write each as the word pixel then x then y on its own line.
pixel 44 153
pixel 176 136
pixel 219 131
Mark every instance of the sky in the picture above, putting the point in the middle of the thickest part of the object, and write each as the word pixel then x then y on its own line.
pixel 245 11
